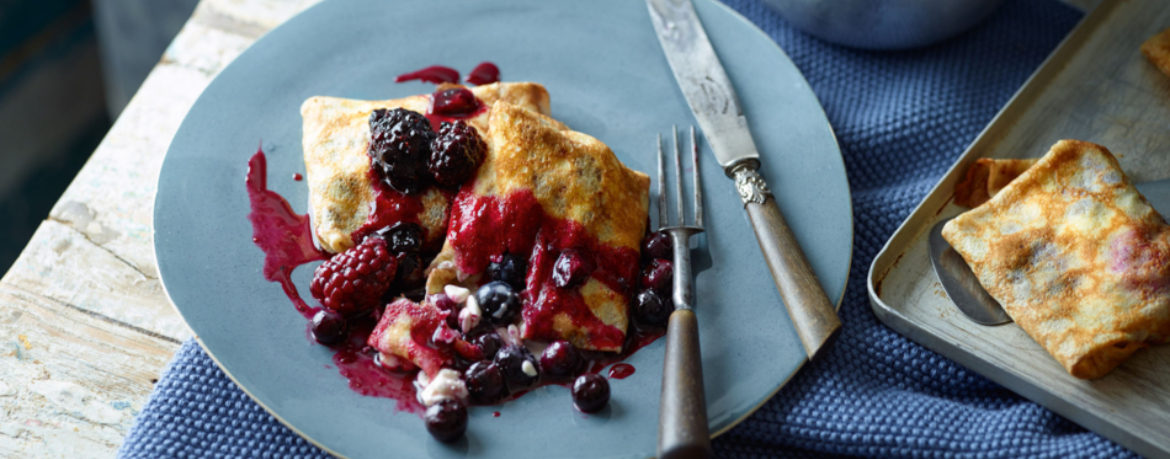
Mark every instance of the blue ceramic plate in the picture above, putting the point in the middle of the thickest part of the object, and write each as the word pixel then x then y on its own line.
pixel 608 78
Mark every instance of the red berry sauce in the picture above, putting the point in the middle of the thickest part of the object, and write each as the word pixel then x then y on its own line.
pixel 298 177
pixel 355 361
pixel 621 371
pixel 484 73
pixel 392 207
pixel 485 226
pixel 434 74
pixel 285 236
pixel 453 104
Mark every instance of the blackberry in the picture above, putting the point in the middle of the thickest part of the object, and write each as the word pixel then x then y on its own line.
pixel 455 154
pixel 354 281
pixel 400 146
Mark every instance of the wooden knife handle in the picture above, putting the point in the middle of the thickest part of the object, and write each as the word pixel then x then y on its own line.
pixel 812 313
pixel 682 416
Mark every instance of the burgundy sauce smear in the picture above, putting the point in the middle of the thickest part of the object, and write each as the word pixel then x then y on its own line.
pixel 484 73
pixel 285 236
pixel 621 371
pixel 436 74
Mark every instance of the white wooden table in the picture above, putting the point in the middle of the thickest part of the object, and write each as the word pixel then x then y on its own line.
pixel 85 328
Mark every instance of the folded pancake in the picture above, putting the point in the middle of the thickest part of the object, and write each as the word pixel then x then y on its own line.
pixel 544 190
pixel 1077 257
pixel 987 177
pixel 1157 51
pixel 342 194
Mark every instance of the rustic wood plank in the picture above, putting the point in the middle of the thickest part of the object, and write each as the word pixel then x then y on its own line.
pixel 70 381
pixel 63 264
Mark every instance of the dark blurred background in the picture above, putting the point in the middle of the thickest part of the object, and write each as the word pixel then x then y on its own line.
pixel 67 69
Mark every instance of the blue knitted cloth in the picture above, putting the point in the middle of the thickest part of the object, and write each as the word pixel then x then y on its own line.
pixel 901 118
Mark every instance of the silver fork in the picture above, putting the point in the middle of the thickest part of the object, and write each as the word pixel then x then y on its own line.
pixel 682 415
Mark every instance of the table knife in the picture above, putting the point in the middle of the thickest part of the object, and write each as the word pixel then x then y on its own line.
pixel 716 107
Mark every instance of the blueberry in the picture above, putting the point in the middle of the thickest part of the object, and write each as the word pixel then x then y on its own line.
pixel 520 368
pixel 485 383
pixel 446 420
pixel 590 392
pixel 658 276
pixel 403 237
pixel 657 245
pixel 571 269
pixel 499 302
pixel 651 308
pixel 510 269
pixel 411 271
pixel 329 327
pixel 490 343
pixel 560 360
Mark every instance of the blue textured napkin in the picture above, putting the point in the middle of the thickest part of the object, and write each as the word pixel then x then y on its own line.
pixel 901 119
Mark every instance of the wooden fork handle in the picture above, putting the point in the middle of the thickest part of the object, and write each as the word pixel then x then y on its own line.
pixel 682 416
pixel 812 314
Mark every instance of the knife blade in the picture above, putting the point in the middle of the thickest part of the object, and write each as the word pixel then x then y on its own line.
pixel 713 101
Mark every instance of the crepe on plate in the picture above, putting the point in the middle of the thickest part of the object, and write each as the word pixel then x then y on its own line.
pixel 336 135
pixel 1076 256
pixel 544 188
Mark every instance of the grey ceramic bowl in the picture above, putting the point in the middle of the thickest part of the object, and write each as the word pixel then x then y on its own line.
pixel 884 24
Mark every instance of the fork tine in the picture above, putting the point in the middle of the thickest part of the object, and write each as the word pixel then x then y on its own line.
pixel 698 181
pixel 662 223
pixel 678 179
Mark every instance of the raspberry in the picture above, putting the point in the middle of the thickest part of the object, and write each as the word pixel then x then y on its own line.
pixel 400 145
pixel 354 281
pixel 455 154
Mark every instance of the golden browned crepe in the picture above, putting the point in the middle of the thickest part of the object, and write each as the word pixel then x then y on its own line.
pixel 986 177
pixel 1157 50
pixel 573 177
pixel 1076 256
pixel 336 134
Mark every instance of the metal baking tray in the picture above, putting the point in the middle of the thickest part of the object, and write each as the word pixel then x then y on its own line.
pixel 1097 87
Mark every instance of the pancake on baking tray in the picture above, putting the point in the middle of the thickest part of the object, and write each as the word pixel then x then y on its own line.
pixel 987 177
pixel 1076 256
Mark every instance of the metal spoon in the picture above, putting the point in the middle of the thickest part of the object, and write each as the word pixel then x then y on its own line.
pixel 963 287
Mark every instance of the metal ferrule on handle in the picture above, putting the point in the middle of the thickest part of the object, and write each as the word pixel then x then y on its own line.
pixel 813 316
pixel 682 418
